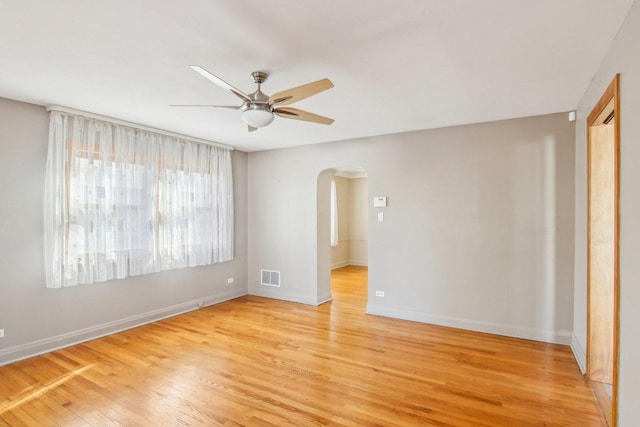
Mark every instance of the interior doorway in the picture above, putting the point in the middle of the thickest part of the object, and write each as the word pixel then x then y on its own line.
pixel 351 231
pixel 350 236
pixel 603 148
pixel 343 242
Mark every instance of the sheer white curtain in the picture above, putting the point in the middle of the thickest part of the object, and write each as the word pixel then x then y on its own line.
pixel 334 214
pixel 121 201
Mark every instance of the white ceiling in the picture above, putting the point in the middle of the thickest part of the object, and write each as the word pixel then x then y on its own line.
pixel 397 65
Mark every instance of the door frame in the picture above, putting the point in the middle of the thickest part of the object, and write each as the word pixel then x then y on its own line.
pixel 609 102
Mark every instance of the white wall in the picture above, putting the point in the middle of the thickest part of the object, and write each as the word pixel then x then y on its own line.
pixel 622 58
pixel 37 319
pixel 478 232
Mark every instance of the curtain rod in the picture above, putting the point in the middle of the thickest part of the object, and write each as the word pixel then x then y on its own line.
pixel 134 125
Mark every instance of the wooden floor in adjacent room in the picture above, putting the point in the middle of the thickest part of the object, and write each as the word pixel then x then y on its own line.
pixel 261 362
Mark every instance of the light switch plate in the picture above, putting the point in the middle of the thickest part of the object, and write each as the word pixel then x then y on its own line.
pixel 380 216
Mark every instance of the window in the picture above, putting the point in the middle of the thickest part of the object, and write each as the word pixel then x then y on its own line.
pixel 121 201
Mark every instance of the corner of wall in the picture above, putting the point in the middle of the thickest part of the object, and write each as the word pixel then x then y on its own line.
pixel 579 353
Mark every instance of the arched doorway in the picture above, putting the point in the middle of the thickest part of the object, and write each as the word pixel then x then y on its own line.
pixel 351 248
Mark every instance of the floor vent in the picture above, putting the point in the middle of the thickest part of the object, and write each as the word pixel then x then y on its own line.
pixel 270 278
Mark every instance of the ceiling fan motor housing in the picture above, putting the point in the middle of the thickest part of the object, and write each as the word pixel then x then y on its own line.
pixel 258 113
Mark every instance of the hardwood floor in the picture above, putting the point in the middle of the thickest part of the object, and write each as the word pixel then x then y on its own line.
pixel 260 362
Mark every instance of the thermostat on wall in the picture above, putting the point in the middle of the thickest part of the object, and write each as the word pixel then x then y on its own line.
pixel 380 202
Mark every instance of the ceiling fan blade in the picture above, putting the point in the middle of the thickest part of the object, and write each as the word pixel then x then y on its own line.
pixel 294 113
pixel 217 80
pixel 296 94
pixel 231 107
pixel 251 128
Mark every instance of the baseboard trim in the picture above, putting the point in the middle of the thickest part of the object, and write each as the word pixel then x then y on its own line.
pixel 284 296
pixel 339 265
pixel 46 345
pixel 556 337
pixel 579 353
pixel 325 298
pixel 359 263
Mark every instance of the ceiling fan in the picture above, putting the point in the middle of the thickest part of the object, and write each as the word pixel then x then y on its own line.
pixel 258 109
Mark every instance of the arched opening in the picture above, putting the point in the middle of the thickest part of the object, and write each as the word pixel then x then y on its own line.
pixel 345 259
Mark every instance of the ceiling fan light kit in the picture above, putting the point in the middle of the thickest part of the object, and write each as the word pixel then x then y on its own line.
pixel 259 109
pixel 258 118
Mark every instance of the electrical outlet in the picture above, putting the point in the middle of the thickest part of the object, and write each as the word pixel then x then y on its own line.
pixel 230 280
pixel 1 333
pixel 380 293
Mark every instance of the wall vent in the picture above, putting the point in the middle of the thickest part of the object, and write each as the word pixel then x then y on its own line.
pixel 270 278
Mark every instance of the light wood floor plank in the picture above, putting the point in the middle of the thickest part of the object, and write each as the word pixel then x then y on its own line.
pixel 260 362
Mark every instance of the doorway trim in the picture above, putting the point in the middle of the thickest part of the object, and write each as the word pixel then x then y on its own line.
pixel 608 105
